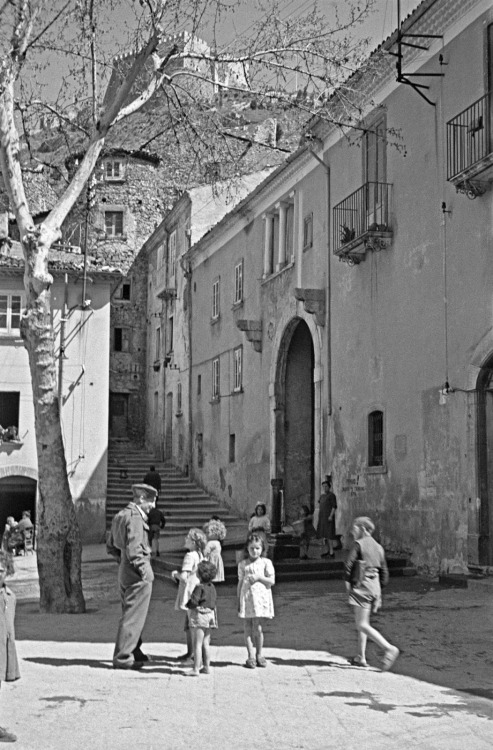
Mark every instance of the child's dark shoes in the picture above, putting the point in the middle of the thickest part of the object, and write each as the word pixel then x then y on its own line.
pixel 250 664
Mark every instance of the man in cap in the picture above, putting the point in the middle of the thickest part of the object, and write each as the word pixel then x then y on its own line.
pixel 128 542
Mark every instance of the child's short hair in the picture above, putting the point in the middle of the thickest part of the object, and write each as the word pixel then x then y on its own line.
pixel 8 563
pixel 214 529
pixel 364 523
pixel 198 538
pixel 257 536
pixel 206 571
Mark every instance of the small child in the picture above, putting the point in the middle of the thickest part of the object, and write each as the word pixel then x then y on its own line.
pixel 305 528
pixel 202 617
pixel 256 576
pixel 187 579
pixel 9 667
pixel 215 532
pixel 259 520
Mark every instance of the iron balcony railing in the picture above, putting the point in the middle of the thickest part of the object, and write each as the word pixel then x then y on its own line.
pixel 365 211
pixel 469 137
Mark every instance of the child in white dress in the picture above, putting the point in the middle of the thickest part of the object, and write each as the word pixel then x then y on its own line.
pixel 256 576
pixel 187 579
pixel 215 532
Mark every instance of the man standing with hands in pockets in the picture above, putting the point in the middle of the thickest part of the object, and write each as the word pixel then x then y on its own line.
pixel 128 542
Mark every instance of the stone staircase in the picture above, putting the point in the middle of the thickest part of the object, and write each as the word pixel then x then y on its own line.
pixel 183 503
pixel 186 505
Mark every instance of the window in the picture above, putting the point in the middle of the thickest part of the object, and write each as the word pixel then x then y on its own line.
pixel 375 438
pixel 113 223
pixel 215 379
pixel 308 231
pixel 172 254
pixel 123 292
pixel 279 236
pixel 170 333
pixel 232 449
pixel 215 300
pixel 238 369
pixel 114 170
pixel 10 313
pixel 199 385
pixel 9 409
pixel 238 283
pixel 200 449
pixel 179 398
pixel 121 342
pixel 158 344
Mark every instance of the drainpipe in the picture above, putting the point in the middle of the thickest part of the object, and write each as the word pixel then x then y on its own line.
pixel 61 356
pixel 329 296
pixel 187 272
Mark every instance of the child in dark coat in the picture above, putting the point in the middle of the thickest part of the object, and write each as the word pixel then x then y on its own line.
pixel 202 617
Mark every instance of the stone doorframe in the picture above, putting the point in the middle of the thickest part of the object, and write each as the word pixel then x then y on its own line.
pixel 280 346
pixel 18 470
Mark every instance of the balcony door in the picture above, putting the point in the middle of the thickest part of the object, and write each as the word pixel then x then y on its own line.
pixel 485 464
pixel 375 172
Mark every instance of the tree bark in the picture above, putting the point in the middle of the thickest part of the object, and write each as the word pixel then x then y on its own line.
pixel 59 546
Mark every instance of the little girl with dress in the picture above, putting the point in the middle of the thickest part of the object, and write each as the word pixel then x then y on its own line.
pixel 187 579
pixel 256 576
pixel 215 531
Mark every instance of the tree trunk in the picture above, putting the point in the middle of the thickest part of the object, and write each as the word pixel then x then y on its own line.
pixel 59 547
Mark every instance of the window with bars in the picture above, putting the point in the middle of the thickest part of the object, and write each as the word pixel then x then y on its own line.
pixel 238 369
pixel 113 223
pixel 215 300
pixel 375 438
pixel 215 379
pixel 238 296
pixel 10 313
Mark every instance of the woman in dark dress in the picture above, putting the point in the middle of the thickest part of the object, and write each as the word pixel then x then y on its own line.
pixel 326 526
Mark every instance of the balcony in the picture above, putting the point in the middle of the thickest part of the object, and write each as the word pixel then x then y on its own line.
pixel 361 222
pixel 469 148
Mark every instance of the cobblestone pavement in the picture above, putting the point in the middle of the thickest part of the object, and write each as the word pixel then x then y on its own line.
pixel 439 696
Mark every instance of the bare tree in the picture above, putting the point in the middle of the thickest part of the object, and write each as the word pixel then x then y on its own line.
pixel 279 55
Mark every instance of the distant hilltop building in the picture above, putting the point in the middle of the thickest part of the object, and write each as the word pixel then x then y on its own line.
pixel 212 76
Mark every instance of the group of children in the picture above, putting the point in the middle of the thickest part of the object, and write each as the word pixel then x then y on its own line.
pixel 203 565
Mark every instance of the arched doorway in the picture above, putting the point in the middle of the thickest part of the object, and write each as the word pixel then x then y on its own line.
pixel 295 418
pixel 485 462
pixel 17 493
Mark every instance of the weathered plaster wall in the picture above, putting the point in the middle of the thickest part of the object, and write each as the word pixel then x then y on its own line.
pixel 84 398
pixel 389 345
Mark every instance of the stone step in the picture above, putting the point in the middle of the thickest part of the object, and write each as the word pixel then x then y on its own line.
pixel 286 570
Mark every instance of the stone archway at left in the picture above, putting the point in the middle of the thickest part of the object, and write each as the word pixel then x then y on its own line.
pixel 18 490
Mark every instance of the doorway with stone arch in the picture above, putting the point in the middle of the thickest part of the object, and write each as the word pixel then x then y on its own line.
pixel 295 418
pixel 484 387
pixel 18 488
